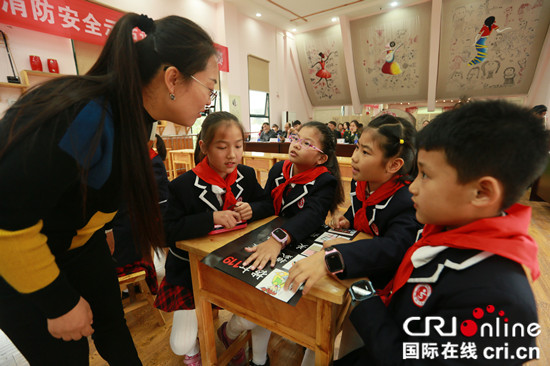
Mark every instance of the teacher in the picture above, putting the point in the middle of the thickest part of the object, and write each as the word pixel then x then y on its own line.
pixel 70 151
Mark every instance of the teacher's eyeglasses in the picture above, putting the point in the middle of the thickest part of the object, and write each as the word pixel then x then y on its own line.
pixel 213 93
pixel 306 144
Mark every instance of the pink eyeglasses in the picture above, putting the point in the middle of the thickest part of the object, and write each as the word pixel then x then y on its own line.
pixel 304 143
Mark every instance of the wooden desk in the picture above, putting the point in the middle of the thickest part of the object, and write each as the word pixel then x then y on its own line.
pixel 313 322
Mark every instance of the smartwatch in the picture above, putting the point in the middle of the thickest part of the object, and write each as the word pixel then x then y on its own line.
pixel 362 290
pixel 334 260
pixel 280 236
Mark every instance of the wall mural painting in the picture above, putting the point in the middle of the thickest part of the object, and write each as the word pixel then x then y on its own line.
pixel 323 66
pixel 389 50
pixel 493 46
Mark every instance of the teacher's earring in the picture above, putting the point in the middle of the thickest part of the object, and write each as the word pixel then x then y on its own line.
pixel 172 96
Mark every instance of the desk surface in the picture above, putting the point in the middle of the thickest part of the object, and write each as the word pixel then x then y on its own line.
pixel 326 288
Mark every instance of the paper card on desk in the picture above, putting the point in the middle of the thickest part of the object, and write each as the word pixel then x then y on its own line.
pixel 329 236
pixel 312 249
pixel 256 153
pixel 230 259
pixel 273 285
pixel 340 141
pixel 275 139
pixel 344 232
pixel 289 265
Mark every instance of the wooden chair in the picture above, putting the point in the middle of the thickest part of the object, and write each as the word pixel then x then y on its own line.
pixel 181 161
pixel 137 300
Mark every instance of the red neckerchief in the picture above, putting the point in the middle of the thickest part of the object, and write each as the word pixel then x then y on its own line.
pixel 360 220
pixel 206 173
pixel 152 153
pixel 302 178
pixel 505 236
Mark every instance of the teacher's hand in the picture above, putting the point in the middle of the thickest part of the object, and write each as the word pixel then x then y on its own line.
pixel 75 324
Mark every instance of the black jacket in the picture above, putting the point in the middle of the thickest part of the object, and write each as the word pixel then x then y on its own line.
pixel 452 283
pixel 308 204
pixel 125 251
pixel 190 214
pixel 379 257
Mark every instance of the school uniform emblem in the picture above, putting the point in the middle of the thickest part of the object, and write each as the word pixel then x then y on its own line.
pixel 301 203
pixel 374 229
pixel 421 293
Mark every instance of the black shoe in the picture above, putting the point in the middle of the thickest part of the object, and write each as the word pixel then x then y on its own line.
pixel 265 364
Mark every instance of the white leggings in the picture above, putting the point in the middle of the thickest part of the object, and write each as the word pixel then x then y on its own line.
pixel 350 341
pixel 183 339
pixel 260 337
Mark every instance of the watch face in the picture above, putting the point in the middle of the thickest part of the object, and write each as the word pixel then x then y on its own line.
pixel 362 290
pixel 334 262
pixel 279 234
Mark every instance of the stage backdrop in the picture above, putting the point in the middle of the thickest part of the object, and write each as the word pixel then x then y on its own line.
pixel 390 53
pixel 323 66
pixel 491 47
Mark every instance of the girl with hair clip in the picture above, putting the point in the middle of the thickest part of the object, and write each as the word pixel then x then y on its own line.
pixel 383 164
pixel 68 148
pixel 303 188
pixel 216 192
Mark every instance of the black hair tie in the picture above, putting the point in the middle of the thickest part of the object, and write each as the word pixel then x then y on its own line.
pixel 146 24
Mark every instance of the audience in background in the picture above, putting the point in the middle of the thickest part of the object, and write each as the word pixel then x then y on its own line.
pixel 335 132
pixel 267 133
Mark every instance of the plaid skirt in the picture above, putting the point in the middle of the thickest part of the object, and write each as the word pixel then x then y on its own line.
pixel 150 277
pixel 174 297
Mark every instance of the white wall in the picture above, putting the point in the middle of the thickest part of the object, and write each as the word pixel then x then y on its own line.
pixel 25 42
pixel 241 34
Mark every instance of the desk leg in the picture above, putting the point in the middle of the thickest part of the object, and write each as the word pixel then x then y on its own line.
pixel 204 317
pixel 324 351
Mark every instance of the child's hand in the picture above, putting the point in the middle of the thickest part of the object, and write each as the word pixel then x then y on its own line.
pixel 308 270
pixel 262 253
pixel 244 209
pixel 339 222
pixel 228 219
pixel 333 242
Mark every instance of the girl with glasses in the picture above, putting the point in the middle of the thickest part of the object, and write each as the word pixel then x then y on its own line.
pixel 303 188
pixel 383 164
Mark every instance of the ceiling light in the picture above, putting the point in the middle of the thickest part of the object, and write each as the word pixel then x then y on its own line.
pixel 334 19
pixel 258 14
pixel 294 29
pixel 394 4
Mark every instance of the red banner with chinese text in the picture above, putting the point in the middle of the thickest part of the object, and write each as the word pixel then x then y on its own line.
pixel 76 19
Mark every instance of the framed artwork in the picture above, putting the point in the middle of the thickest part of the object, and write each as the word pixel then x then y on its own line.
pixel 323 66
pixel 390 53
pixel 491 47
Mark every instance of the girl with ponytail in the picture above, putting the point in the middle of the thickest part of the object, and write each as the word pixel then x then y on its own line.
pixel 383 164
pixel 71 150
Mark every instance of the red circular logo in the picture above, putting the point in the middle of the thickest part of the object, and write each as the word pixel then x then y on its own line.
pixel 421 293
pixel 301 203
